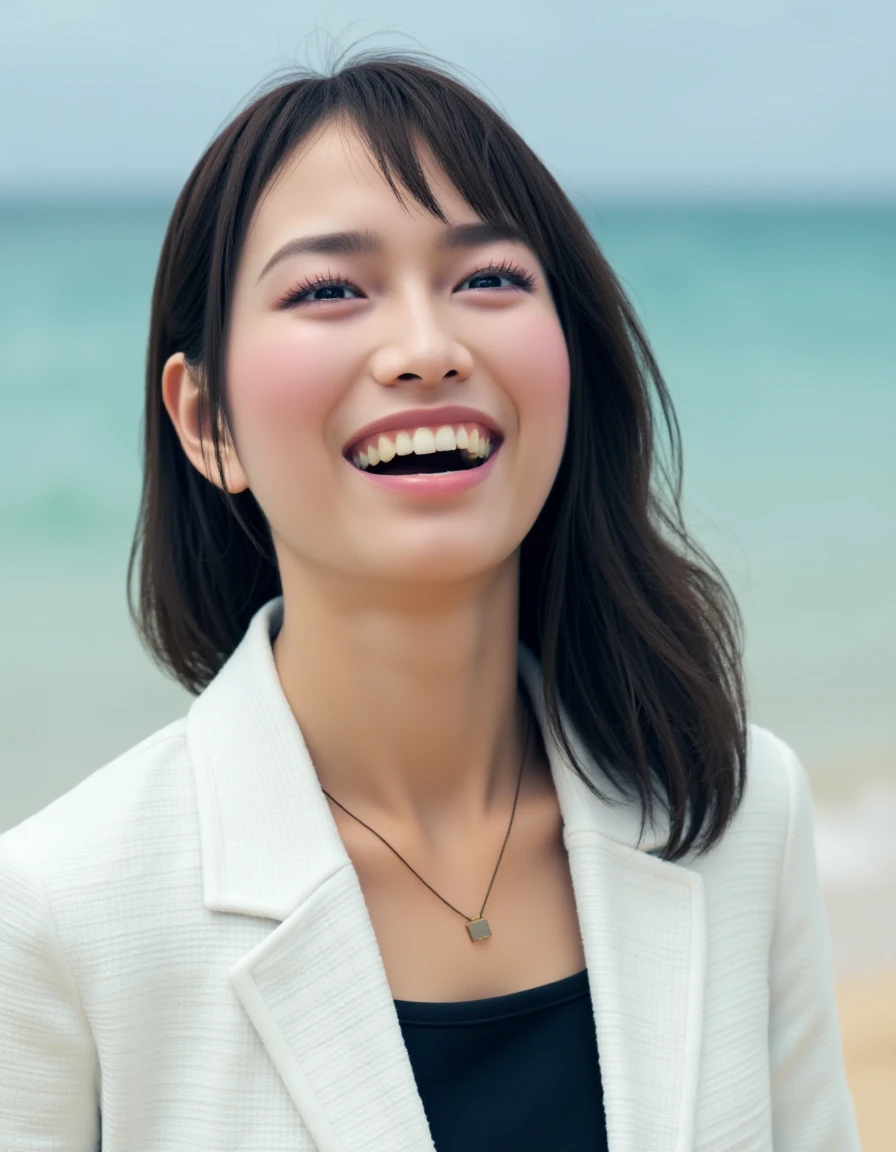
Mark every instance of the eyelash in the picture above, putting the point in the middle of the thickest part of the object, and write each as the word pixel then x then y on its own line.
pixel 504 268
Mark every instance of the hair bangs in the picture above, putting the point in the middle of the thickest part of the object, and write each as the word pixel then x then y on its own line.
pixel 397 111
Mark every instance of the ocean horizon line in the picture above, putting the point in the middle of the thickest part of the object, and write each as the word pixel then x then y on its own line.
pixel 49 198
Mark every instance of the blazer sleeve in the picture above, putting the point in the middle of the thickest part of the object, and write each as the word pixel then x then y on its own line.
pixel 812 1109
pixel 48 1063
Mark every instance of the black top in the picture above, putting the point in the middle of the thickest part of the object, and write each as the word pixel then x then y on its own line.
pixel 516 1072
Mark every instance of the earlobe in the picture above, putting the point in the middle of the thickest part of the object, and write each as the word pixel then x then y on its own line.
pixel 180 395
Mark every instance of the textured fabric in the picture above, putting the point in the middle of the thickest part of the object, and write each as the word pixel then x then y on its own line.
pixel 187 962
pixel 518 1071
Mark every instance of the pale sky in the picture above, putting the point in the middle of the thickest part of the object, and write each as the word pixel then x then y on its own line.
pixel 771 98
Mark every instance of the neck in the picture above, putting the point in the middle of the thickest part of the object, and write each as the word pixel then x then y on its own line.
pixel 407 699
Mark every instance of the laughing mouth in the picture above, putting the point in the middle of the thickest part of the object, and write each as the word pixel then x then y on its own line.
pixel 426 452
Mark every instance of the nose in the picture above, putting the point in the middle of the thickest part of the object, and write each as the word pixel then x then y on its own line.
pixel 419 345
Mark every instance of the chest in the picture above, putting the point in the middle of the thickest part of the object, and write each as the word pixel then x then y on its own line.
pixel 426 948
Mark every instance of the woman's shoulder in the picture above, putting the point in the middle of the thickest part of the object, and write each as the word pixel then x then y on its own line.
pixel 776 799
pixel 112 813
pixel 776 780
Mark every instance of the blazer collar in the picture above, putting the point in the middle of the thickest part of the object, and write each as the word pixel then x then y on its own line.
pixel 316 989
pixel 268 835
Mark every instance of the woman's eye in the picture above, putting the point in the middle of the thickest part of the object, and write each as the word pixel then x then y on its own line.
pixel 501 277
pixel 321 292
pixel 486 280
pixel 335 291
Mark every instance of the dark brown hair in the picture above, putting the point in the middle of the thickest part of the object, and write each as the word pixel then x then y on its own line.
pixel 637 632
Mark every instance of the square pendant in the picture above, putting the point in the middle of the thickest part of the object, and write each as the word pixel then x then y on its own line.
pixel 479 929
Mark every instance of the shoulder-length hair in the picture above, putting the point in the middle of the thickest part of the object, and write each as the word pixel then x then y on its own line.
pixel 638 635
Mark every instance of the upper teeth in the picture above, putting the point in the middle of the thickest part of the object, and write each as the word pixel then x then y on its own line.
pixel 424 441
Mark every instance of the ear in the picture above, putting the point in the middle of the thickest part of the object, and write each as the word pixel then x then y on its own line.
pixel 180 395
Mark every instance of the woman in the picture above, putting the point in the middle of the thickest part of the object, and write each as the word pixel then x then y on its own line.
pixel 455 661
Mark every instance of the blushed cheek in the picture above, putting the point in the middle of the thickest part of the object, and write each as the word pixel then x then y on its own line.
pixel 535 366
pixel 281 390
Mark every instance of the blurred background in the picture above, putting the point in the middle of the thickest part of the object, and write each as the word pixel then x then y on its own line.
pixel 737 165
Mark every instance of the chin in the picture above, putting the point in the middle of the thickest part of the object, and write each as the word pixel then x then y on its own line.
pixel 436 564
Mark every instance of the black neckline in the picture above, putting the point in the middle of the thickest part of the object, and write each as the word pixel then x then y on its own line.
pixel 491 1008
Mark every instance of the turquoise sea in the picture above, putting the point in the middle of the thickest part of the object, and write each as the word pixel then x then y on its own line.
pixel 776 332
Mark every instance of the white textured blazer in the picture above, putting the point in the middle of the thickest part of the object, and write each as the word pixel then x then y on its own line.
pixel 187 961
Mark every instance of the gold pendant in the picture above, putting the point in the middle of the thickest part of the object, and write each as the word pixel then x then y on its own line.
pixel 478 928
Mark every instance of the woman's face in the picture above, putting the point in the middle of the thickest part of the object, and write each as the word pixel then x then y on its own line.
pixel 331 333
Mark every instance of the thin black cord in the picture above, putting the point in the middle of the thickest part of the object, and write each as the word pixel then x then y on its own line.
pixel 503 846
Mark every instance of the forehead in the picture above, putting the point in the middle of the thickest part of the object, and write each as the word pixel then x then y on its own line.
pixel 332 182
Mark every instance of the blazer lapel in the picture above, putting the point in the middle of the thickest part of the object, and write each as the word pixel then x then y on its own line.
pixel 315 988
pixel 644 939
pixel 642 921
pixel 317 993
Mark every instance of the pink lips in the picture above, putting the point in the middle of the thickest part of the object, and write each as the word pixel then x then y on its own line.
pixel 433 483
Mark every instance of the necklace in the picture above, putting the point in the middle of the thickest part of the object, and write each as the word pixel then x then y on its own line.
pixel 477 926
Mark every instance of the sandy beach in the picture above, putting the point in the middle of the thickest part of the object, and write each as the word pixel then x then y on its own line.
pixel 856 855
pixel 863 933
pixel 868 1024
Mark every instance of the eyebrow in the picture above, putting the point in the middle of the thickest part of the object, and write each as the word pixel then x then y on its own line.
pixel 365 243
